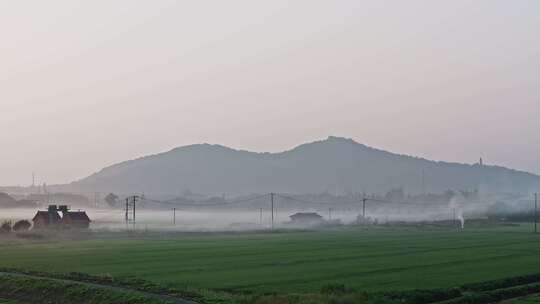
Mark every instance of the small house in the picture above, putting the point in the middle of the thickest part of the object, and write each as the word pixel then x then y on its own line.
pixel 306 218
pixel 47 219
pixel 69 219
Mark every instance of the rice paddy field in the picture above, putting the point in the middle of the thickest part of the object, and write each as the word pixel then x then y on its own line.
pixel 526 300
pixel 377 259
pixel 3 301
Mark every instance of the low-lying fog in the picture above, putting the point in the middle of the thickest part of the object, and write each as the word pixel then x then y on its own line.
pixel 256 213
pixel 235 220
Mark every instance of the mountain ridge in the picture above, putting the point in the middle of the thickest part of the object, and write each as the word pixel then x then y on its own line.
pixel 334 164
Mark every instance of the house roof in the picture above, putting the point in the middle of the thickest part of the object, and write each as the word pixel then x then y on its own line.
pixel 45 215
pixel 306 215
pixel 77 216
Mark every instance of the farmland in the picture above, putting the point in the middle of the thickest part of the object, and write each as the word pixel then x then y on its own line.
pixel 293 262
pixel 528 300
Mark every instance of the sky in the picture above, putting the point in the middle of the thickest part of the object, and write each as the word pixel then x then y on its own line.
pixel 86 84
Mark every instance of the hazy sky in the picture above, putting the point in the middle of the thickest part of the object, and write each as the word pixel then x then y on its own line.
pixel 85 84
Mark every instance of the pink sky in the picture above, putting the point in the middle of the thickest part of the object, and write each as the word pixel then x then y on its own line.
pixel 85 84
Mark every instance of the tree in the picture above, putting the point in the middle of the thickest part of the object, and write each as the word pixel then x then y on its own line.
pixel 395 195
pixel 22 225
pixel 6 227
pixel 449 194
pixel 111 199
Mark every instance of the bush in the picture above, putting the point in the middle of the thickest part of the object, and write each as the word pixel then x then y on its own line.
pixel 425 296
pixel 5 227
pixel 502 283
pixel 495 296
pixel 22 225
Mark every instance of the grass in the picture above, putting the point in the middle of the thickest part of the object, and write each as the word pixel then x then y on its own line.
pixel 527 300
pixel 294 262
pixel 4 301
pixel 34 290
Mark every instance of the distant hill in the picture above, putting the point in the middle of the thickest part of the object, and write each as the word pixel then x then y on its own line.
pixel 6 201
pixel 333 165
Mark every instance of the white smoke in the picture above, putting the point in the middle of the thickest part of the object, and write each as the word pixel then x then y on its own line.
pixel 456 205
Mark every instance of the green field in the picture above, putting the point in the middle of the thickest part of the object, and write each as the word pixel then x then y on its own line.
pixel 284 262
pixel 527 300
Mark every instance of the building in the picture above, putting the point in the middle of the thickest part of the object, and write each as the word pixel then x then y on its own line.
pixel 47 219
pixel 306 218
pixel 69 219
pixel 75 219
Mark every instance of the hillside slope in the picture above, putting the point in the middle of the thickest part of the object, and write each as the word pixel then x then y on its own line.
pixel 335 165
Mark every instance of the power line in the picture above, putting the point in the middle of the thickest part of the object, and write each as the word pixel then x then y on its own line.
pixel 205 204
pixel 356 202
pixel 313 202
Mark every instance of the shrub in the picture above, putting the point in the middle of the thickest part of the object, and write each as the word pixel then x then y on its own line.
pixel 425 296
pixel 502 283
pixel 5 227
pixel 22 225
pixel 495 296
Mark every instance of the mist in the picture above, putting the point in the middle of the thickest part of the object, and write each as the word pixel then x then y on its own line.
pixel 254 213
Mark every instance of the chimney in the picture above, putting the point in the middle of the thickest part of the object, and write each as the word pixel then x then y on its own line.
pixel 52 209
pixel 64 209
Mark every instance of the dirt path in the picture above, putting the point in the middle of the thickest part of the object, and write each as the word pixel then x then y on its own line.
pixel 108 287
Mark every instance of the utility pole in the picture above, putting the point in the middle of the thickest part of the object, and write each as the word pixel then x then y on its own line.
pixel 535 213
pixel 272 206
pixel 135 197
pixel 127 209
pixel 174 216
pixel 96 199
pixel 455 224
pixel 133 211
pixel 329 214
pixel 423 182
pixel 260 216
pixel 364 200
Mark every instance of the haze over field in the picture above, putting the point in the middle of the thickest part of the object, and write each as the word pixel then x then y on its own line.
pixel 89 84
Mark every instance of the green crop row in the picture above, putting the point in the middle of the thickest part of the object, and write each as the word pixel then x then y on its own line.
pixel 478 293
pixel 34 290
pixel 423 296
pixel 502 283
pixel 129 283
pixel 495 296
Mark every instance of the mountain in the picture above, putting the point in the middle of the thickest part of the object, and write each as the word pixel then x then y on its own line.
pixel 7 201
pixel 333 165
